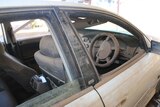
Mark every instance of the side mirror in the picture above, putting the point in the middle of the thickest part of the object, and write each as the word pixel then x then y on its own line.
pixel 155 47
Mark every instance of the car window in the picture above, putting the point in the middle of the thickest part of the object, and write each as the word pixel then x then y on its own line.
pixel 1 34
pixel 28 29
pixel 96 29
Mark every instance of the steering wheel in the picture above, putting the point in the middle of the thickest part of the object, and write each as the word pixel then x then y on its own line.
pixel 104 49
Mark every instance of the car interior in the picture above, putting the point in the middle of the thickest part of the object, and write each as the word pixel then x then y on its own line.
pixel 29 66
pixel 32 66
pixel 108 44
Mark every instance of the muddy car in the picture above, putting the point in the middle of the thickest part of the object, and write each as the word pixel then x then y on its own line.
pixel 58 54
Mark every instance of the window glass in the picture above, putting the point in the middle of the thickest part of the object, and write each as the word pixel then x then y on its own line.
pixel 27 29
pixel 1 34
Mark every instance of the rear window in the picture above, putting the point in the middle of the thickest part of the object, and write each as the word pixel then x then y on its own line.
pixel 28 29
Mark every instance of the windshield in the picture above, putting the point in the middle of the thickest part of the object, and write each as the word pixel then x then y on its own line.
pixel 93 22
pixel 108 26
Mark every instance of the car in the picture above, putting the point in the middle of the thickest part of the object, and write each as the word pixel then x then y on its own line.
pixel 60 54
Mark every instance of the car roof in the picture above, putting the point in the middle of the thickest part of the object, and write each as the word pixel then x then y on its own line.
pixel 41 3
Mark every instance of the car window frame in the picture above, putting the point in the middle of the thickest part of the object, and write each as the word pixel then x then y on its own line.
pixel 110 75
pixel 120 21
pixel 18 14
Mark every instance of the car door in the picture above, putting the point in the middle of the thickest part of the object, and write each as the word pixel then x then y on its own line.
pixel 134 86
pixel 85 98
pixel 133 83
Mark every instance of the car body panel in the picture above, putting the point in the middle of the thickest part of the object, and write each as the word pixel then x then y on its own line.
pixel 133 87
pixel 75 97
pixel 91 99
pixel 129 87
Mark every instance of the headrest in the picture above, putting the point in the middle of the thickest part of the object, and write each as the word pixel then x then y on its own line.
pixel 2 50
pixel 48 48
